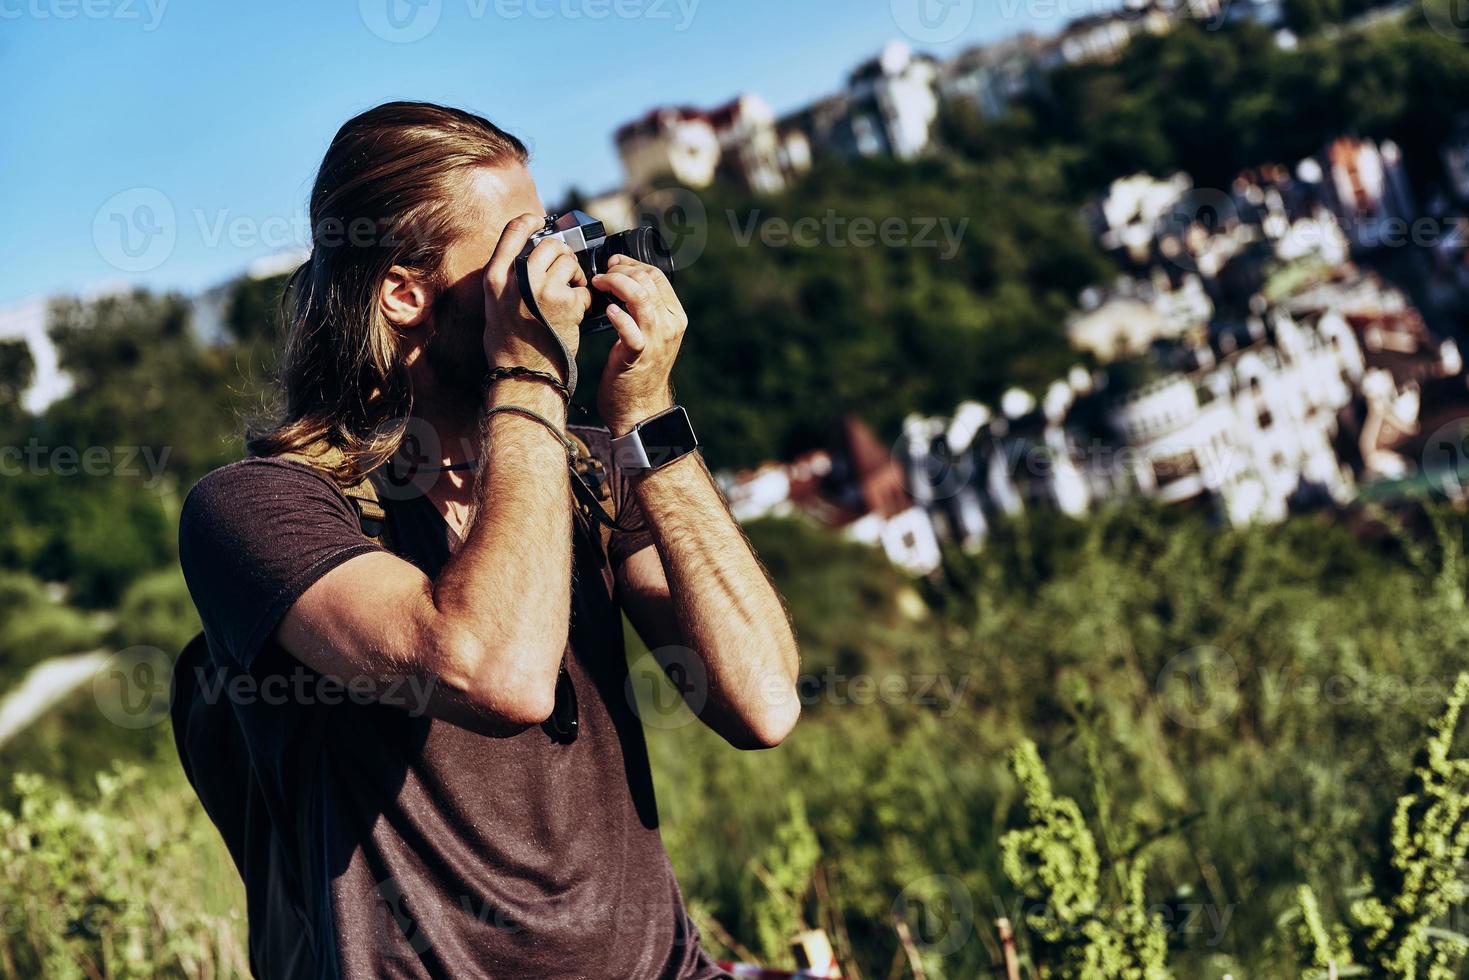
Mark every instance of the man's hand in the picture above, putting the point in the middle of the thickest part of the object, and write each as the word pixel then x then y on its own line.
pixel 650 323
pixel 513 336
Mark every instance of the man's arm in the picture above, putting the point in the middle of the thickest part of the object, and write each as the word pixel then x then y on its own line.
pixel 702 587
pixel 492 628
pixel 491 648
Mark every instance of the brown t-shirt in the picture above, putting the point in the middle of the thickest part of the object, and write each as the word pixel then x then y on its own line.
pixel 430 850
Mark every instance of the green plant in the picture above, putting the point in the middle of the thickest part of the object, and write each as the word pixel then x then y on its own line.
pixel 1394 928
pixel 1084 929
pixel 129 884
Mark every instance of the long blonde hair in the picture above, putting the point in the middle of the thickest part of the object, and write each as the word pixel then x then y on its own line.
pixel 384 196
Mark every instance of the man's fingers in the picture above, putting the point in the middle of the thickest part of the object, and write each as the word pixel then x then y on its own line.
pixel 650 274
pixel 512 242
pixel 640 297
pixel 545 253
pixel 630 339
pixel 561 269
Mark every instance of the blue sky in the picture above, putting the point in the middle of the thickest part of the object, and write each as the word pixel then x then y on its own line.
pixel 195 126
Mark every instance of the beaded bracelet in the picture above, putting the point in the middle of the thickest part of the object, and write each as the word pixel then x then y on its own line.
pixel 525 373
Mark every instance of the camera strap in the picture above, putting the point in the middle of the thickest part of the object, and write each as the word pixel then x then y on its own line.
pixel 528 295
pixel 585 495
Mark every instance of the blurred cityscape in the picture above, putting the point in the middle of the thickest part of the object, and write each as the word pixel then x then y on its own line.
pixel 1244 361
pixel 1269 346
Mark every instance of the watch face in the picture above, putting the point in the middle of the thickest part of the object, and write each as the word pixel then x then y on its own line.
pixel 667 437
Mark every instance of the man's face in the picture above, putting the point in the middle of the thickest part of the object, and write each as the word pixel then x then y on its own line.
pixel 492 196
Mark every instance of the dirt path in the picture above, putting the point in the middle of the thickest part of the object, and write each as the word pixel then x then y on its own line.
pixel 46 684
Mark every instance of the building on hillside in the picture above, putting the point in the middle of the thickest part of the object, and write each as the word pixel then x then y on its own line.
pixel 1128 218
pixel 1252 424
pixel 1138 313
pixel 27 321
pixel 1412 375
pixel 1102 37
pixel 739 141
pixel 992 76
pixel 819 130
pixel 1245 418
pixel 856 487
pixel 1116 327
pixel 889 108
pixel 958 472
pixel 678 142
pixel 750 146
pixel 1367 188
pixel 892 103
pixel 1206 10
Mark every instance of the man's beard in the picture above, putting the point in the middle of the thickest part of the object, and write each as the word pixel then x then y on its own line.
pixel 455 351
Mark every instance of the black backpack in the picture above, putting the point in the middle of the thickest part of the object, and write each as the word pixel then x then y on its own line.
pixel 216 759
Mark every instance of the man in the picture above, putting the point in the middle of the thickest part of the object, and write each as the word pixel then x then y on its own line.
pixel 504 825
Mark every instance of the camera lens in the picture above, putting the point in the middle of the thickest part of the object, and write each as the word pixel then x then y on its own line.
pixel 643 244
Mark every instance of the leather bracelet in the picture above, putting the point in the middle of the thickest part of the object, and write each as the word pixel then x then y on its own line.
pixel 519 373
pixel 546 423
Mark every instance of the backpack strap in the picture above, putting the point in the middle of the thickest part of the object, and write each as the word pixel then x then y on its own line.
pixel 592 487
pixel 372 517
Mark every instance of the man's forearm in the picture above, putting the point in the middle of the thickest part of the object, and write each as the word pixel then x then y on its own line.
pixel 728 611
pixel 510 581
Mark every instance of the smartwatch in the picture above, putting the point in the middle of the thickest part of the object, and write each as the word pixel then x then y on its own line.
pixel 655 442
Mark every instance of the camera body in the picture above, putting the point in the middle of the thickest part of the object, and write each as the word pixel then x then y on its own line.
pixel 594 248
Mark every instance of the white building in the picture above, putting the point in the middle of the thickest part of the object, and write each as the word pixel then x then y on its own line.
pixel 892 103
pixel 1252 425
pixel 751 149
pixel 1133 209
pixel 677 142
pixel 1103 36
pixel 1254 429
pixel 739 139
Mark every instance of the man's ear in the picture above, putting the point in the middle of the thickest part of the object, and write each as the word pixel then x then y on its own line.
pixel 405 297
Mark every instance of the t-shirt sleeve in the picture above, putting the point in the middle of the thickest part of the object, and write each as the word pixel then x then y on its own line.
pixel 625 544
pixel 253 537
